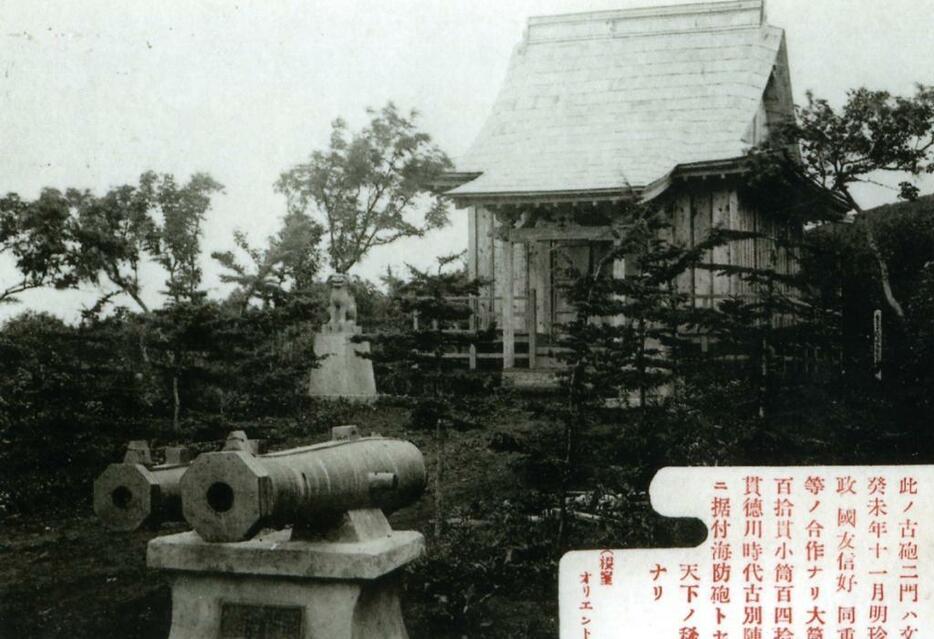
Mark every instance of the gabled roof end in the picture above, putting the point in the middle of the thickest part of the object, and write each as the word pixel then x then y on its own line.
pixel 705 16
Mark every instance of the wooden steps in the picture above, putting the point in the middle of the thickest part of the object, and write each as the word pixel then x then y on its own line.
pixel 531 379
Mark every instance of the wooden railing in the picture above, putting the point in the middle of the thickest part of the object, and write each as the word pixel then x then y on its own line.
pixel 482 316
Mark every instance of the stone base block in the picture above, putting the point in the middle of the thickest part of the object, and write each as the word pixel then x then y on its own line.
pixel 342 374
pixel 274 588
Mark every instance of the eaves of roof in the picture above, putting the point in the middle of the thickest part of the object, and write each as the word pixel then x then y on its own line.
pixel 683 172
pixel 649 192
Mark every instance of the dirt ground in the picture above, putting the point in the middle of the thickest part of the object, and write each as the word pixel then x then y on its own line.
pixel 64 575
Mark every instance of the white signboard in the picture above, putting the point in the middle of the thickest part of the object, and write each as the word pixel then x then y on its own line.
pixel 831 552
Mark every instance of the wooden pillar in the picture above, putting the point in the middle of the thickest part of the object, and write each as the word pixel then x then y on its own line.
pixel 532 321
pixel 491 273
pixel 473 269
pixel 543 284
pixel 619 273
pixel 509 331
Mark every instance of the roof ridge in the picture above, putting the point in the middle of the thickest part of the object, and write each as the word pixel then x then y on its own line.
pixel 678 18
pixel 663 10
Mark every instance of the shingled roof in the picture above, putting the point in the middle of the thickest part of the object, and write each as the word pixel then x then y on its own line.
pixel 614 101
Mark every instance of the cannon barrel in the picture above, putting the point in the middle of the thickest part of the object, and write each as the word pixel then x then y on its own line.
pixel 128 496
pixel 231 495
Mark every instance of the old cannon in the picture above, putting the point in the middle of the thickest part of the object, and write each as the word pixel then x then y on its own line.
pixel 337 573
pixel 230 495
pixel 136 493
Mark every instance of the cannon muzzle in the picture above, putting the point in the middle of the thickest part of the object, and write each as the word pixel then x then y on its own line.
pixel 129 496
pixel 136 493
pixel 231 495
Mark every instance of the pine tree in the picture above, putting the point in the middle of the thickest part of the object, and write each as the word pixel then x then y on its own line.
pixel 418 356
pixel 628 340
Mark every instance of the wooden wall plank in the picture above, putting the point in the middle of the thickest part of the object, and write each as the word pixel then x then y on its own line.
pixel 484 243
pixel 735 246
pixel 540 279
pixel 722 200
pixel 764 243
pixel 701 218
pixel 515 285
pixel 682 236
pixel 499 280
pixel 508 322
pixel 485 263
pixel 748 222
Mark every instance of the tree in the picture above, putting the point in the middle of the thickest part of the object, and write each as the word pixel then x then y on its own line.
pixel 178 250
pixel 67 394
pixel 115 232
pixel 156 219
pixel 919 367
pixel 420 352
pixel 368 188
pixel 160 220
pixel 264 341
pixel 282 271
pixel 905 234
pixel 628 336
pixel 178 239
pixel 260 357
pixel 873 132
pixel 39 237
pixel 761 343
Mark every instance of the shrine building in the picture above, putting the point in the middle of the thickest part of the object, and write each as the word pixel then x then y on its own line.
pixel 604 107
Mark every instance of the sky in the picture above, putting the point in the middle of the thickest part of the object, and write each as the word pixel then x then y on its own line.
pixel 91 96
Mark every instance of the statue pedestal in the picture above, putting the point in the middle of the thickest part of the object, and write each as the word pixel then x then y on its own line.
pixel 342 374
pixel 274 588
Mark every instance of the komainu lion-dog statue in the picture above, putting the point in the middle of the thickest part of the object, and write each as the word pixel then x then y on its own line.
pixel 343 308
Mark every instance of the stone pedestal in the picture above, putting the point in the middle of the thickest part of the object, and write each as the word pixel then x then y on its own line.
pixel 272 587
pixel 342 373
